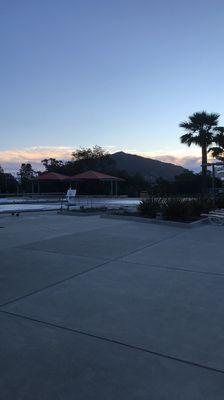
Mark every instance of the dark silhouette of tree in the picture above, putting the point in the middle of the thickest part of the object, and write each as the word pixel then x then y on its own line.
pixel 8 183
pixel 25 175
pixel 2 180
pixel 186 184
pixel 200 130
pixel 52 165
pixel 83 159
pixel 95 158
pixel 218 139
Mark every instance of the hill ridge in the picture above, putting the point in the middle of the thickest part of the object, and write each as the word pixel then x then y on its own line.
pixel 151 169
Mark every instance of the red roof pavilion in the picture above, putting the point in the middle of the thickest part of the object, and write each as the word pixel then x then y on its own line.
pixel 52 176
pixel 94 175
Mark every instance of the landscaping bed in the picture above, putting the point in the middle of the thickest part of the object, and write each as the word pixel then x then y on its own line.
pixel 84 211
pixel 175 209
pixel 139 218
pixel 170 211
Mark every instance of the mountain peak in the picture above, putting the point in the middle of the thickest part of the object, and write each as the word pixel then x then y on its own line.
pixel 149 168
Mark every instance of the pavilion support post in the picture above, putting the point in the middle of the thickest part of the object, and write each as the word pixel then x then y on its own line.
pixel 213 184
pixel 116 188
pixel 32 184
pixel 111 188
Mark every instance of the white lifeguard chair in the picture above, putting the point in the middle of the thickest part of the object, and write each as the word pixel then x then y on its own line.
pixel 70 197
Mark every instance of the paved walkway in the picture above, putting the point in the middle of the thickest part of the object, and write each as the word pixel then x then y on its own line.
pixel 93 308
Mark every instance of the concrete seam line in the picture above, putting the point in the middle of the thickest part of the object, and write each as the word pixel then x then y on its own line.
pixel 76 275
pixel 112 259
pixel 69 234
pixel 52 285
pixel 173 268
pixel 105 339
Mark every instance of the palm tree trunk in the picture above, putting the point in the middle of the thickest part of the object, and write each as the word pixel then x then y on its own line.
pixel 204 170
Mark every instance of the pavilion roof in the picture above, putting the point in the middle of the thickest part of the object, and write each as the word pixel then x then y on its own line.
pixel 94 175
pixel 52 176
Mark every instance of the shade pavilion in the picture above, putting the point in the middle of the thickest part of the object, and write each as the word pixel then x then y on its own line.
pixel 98 176
pixel 50 177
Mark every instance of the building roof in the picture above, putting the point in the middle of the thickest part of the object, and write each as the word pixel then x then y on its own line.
pixel 94 175
pixel 52 176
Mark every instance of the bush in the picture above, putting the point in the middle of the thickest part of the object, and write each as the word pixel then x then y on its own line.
pixel 176 209
pixel 150 207
pixel 185 210
pixel 201 206
pixel 219 202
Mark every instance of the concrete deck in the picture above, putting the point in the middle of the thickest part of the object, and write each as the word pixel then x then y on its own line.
pixel 104 309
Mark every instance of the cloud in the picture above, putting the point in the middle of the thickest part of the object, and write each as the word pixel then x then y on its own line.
pixel 185 159
pixel 35 154
pixel 192 163
pixel 12 159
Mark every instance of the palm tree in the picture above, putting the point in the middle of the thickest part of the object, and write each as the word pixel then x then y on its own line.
pixel 218 150
pixel 200 130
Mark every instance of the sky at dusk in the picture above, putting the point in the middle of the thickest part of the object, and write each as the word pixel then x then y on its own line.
pixel 120 74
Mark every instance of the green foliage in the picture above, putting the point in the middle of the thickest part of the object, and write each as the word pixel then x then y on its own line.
pixel 200 130
pixel 187 183
pixel 175 209
pixel 25 175
pixel 26 171
pixel 53 165
pixel 132 184
pixel 83 159
pixel 150 207
pixel 88 153
pixel 217 151
pixel 95 158
pixel 219 202
pixel 8 184
pixel 186 210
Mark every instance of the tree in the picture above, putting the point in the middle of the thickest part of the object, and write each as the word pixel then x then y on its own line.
pixel 52 165
pixel 200 128
pixel 26 174
pixel 2 180
pixel 88 153
pixel 92 158
pixel 218 150
pixel 8 183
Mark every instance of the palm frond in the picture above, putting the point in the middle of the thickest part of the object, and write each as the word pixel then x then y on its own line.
pixel 216 152
pixel 219 137
pixel 219 129
pixel 203 119
pixel 200 128
pixel 188 139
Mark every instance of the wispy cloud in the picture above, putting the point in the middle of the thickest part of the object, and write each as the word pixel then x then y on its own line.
pixel 35 154
pixel 186 161
pixel 190 159
pixel 11 159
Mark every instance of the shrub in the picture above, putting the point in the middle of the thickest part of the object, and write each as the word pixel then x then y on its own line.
pixel 219 202
pixel 185 210
pixel 176 209
pixel 201 206
pixel 150 207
